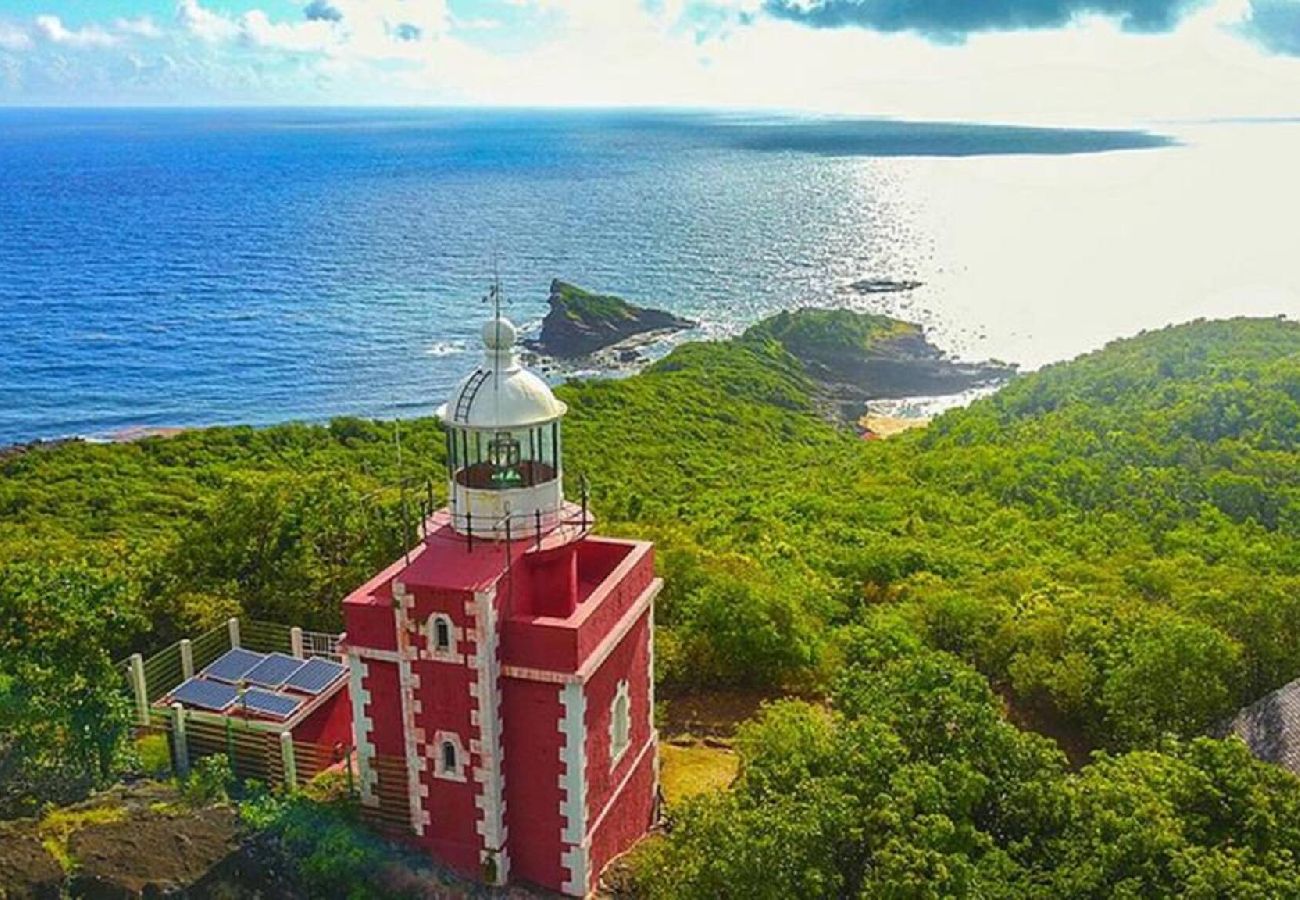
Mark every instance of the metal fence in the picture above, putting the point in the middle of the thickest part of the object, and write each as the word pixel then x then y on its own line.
pixel 259 750
pixel 154 677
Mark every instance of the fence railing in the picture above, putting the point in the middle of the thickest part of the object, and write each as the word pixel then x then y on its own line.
pixel 152 678
pixel 258 750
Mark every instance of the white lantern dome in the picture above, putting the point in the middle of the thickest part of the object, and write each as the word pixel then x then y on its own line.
pixel 503 444
pixel 500 393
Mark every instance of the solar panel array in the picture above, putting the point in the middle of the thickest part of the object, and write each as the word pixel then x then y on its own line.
pixel 233 665
pixel 283 683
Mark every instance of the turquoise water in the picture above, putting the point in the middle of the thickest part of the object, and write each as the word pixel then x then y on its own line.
pixel 170 268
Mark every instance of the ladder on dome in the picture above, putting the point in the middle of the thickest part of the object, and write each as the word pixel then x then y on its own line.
pixel 466 398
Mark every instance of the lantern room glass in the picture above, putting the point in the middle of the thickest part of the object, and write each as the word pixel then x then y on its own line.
pixel 504 459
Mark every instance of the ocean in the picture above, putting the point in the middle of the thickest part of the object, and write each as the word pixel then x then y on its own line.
pixel 192 267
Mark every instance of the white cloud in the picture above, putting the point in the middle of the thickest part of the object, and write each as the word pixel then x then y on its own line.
pixel 661 52
pixel 53 30
pixel 143 27
pixel 13 38
pixel 205 24
pixel 311 36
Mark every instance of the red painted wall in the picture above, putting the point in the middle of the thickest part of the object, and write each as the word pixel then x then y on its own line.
pixel 384 709
pixel 445 705
pixel 330 723
pixel 629 660
pixel 626 823
pixel 531 714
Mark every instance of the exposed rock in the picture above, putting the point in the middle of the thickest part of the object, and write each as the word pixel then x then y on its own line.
pixel 26 868
pixel 581 323
pixel 134 840
pixel 883 286
pixel 151 854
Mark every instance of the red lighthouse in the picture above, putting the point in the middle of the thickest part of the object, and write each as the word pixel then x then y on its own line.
pixel 502 672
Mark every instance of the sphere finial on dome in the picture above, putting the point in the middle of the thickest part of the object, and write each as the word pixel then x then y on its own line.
pixel 499 334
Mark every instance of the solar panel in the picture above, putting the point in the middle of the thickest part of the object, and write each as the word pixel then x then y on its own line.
pixel 272 671
pixel 203 694
pixel 234 664
pixel 279 706
pixel 314 676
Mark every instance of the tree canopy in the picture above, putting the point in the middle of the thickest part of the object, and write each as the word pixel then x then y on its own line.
pixel 1110 544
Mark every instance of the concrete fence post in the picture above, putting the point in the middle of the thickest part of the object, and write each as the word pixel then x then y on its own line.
pixel 232 625
pixel 187 659
pixel 290 766
pixel 139 688
pixel 180 743
pixel 295 641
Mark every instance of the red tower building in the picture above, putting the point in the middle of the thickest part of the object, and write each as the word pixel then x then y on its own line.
pixel 502 671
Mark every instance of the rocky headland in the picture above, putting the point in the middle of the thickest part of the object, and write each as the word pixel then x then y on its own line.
pixel 858 357
pixel 581 324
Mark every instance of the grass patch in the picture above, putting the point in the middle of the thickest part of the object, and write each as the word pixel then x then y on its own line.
pixel 155 755
pixel 687 771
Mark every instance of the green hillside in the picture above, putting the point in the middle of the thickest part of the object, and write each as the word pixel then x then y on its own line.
pixel 1112 543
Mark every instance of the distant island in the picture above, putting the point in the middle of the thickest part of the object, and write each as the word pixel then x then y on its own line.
pixel 581 324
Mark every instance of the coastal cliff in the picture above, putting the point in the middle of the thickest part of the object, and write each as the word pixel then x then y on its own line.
pixel 580 323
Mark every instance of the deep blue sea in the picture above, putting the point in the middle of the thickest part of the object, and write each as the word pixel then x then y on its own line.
pixel 172 268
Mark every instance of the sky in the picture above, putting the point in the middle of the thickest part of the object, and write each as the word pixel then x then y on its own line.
pixel 1098 62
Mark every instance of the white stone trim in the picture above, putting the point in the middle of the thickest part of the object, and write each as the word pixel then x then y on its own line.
pixel 361 728
pixel 577 860
pixel 456 773
pixel 372 653
pixel 489 774
pixel 407 682
pixel 650 689
pixel 573 787
pixel 622 692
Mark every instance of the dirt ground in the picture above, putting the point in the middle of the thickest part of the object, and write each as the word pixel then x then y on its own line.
pixel 154 853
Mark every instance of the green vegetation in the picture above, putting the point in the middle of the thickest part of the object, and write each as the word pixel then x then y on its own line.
pixel 810 333
pixel 591 309
pixel 915 786
pixel 1112 543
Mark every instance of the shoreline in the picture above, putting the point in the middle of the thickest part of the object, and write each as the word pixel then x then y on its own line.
pixel 917 411
pixel 893 411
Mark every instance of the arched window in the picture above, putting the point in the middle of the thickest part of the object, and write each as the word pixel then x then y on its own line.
pixel 620 723
pixel 448 756
pixel 441 635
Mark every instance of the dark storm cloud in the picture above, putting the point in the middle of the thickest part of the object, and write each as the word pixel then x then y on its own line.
pixel 952 20
pixel 1275 25
pixel 322 11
